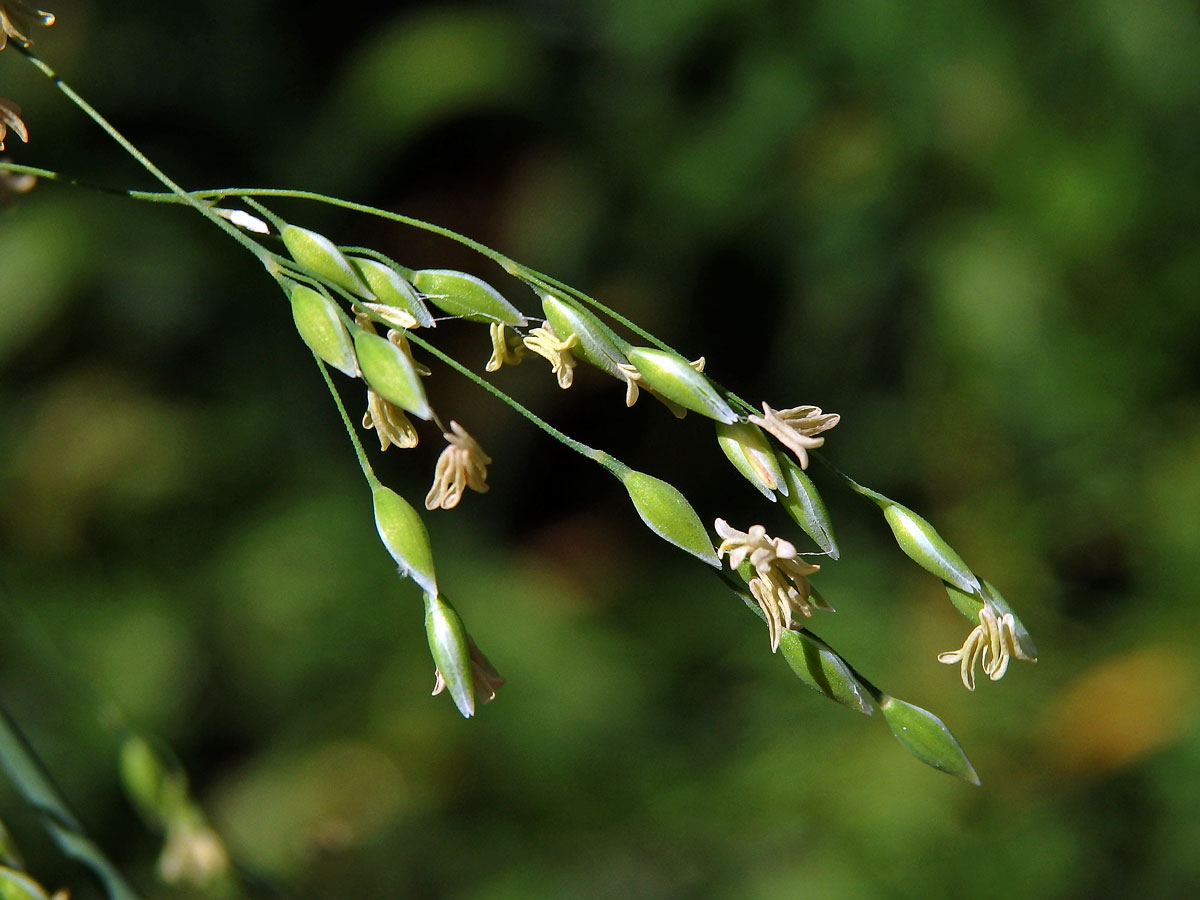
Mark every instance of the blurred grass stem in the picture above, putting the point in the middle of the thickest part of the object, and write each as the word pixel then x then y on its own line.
pixel 32 782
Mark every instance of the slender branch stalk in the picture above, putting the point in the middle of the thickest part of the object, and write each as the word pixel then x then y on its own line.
pixel 359 452
pixel 609 462
pixel 141 158
pixel 500 259
pixel 518 270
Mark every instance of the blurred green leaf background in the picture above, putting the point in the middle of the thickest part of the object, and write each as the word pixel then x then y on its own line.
pixel 969 228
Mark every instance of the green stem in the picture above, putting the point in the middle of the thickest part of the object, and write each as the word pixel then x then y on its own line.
pixel 182 195
pixel 363 462
pixel 405 272
pixel 50 175
pixel 609 462
pixel 509 265
pixel 514 268
pixel 29 777
pixel 500 259
pixel 553 284
pixel 874 496
pixel 740 589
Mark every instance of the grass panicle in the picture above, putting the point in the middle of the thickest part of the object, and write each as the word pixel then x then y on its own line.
pixel 340 295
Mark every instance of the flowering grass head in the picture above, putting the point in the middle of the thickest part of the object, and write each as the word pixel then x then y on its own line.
pixel 341 297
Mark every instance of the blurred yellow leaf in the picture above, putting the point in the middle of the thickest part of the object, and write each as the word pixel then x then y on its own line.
pixel 1122 709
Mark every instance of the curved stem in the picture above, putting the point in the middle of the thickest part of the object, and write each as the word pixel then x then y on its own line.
pixel 500 259
pixel 144 161
pixel 874 496
pixel 518 270
pixel 604 459
pixel 359 451
pixel 512 267
pixel 553 284
pixel 51 175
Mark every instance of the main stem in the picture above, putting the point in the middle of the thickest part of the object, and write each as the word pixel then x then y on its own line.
pixel 509 265
pixel 143 160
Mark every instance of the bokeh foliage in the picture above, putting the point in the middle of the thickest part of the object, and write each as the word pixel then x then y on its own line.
pixel 968 228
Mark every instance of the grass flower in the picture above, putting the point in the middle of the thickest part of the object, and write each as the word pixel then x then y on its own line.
pixel 391 425
pixel 393 316
pixel 397 337
pixel 484 676
pixel 243 219
pixel 193 854
pixel 506 351
pixel 10 117
pixel 13 183
pixel 635 382
pixel 15 18
pixel 462 465
pixel 780 582
pixel 991 643
pixel 797 428
pixel 545 343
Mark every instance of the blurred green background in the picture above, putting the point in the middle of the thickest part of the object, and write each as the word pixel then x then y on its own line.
pixel 971 229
